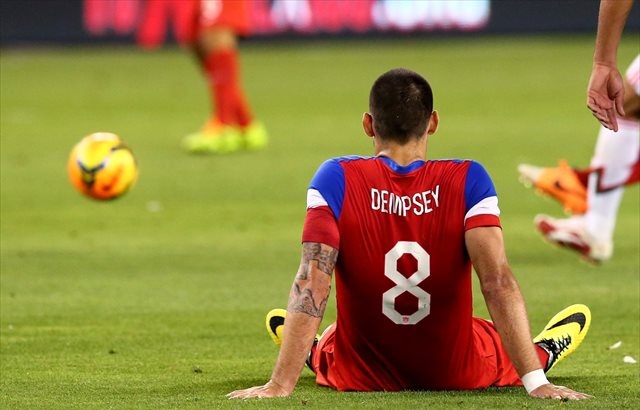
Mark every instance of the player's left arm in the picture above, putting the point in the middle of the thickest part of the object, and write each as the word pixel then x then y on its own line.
pixel 502 296
pixel 507 308
pixel 307 302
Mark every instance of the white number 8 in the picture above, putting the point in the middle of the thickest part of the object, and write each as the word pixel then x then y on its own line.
pixel 409 284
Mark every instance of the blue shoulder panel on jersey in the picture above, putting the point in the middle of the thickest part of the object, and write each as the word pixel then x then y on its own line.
pixel 478 185
pixel 329 181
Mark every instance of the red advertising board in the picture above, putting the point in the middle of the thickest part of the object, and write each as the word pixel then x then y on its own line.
pixel 269 17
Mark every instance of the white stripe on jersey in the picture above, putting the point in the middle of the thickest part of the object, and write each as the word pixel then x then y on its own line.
pixel 315 199
pixel 488 205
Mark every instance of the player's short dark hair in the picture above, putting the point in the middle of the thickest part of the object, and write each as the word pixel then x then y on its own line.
pixel 401 103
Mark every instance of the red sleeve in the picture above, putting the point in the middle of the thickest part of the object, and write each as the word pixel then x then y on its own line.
pixel 321 226
pixel 482 220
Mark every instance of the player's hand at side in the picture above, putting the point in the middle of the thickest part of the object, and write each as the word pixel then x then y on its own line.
pixel 605 95
pixel 270 389
pixel 551 391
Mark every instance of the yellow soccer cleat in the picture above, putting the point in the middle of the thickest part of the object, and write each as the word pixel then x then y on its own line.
pixel 564 333
pixel 255 137
pixel 560 183
pixel 214 138
pixel 275 325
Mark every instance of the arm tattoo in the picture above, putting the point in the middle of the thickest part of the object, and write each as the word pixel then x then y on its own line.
pixel 326 258
pixel 303 301
pixel 310 292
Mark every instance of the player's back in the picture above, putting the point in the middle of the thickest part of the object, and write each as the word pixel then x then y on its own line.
pixel 403 280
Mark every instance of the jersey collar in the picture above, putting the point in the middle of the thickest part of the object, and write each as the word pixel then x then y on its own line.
pixel 399 168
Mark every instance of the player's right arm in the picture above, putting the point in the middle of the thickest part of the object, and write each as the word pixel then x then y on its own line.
pixel 310 290
pixel 307 302
pixel 611 21
pixel 605 92
pixel 507 308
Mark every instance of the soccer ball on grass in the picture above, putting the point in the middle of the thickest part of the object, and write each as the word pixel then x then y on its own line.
pixel 101 167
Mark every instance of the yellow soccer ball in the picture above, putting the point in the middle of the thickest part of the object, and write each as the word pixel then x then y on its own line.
pixel 101 167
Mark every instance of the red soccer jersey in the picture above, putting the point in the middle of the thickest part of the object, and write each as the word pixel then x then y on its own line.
pixel 403 276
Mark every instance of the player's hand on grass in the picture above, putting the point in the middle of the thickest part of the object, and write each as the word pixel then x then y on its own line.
pixel 551 391
pixel 605 95
pixel 270 389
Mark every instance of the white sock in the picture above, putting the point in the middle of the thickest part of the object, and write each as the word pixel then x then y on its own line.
pixel 615 154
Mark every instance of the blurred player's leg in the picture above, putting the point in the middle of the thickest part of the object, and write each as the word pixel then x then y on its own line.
pixel 561 183
pixel 615 157
pixel 217 54
pixel 615 163
pixel 231 125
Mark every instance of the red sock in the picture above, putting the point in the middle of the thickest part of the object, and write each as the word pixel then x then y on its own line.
pixel 543 355
pixel 223 74
pixel 243 112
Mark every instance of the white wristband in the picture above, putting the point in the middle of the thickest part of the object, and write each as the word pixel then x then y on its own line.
pixel 534 379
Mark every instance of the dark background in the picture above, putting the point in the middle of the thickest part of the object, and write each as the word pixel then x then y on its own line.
pixel 61 21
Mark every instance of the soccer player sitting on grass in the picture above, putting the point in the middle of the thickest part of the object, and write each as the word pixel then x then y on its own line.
pixel 402 234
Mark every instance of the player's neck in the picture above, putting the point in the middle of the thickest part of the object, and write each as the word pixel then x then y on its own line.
pixel 403 155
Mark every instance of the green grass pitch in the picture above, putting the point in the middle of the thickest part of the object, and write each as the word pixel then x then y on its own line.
pixel 157 299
